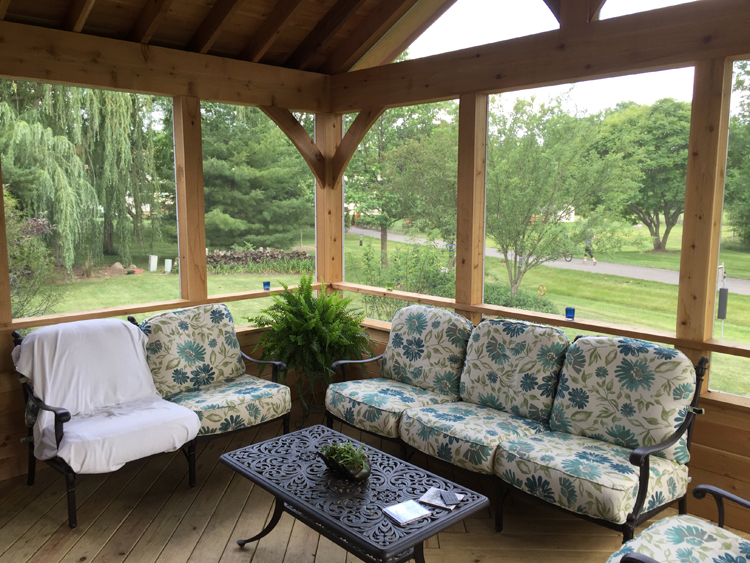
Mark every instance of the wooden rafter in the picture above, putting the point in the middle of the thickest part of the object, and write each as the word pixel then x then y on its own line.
pixel 672 37
pixel 322 33
pixel 362 39
pixel 353 137
pixel 554 7
pixel 149 20
pixel 77 14
pixel 416 21
pixel 587 9
pixel 4 8
pixel 269 30
pixel 300 139
pixel 210 28
pixel 595 8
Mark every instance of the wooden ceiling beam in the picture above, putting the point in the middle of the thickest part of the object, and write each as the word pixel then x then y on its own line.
pixel 416 21
pixel 149 20
pixel 4 8
pixel 77 14
pixel 362 39
pixel 210 28
pixel 322 33
pixel 672 37
pixel 269 30
pixel 76 59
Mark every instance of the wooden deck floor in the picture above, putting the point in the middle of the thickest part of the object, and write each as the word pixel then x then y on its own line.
pixel 146 513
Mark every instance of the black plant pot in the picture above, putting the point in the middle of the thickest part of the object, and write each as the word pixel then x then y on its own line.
pixel 345 472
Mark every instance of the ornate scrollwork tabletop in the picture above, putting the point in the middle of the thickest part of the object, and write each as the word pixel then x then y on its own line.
pixel 288 467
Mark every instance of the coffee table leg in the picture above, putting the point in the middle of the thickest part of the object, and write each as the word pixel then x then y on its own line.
pixel 419 553
pixel 277 511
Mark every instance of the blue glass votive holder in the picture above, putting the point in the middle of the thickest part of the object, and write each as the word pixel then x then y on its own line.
pixel 570 313
pixel 266 286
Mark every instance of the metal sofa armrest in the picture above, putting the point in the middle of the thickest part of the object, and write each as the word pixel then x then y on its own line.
pixel 343 364
pixel 637 558
pixel 719 495
pixel 276 366
pixel 61 415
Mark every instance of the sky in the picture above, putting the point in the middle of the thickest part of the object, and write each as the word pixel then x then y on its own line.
pixel 459 28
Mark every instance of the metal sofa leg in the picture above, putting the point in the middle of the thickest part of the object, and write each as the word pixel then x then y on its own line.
pixel 32 463
pixel 628 531
pixel 70 483
pixel 502 494
pixel 682 505
pixel 191 462
pixel 285 422
pixel 329 420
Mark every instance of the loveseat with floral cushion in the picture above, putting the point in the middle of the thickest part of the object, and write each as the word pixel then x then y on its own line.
pixel 421 366
pixel 687 539
pixel 196 361
pixel 506 390
pixel 620 426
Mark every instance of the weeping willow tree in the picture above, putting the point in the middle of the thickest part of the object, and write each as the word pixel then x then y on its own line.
pixel 85 158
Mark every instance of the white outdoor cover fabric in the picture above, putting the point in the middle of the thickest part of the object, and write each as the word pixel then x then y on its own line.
pixel 110 437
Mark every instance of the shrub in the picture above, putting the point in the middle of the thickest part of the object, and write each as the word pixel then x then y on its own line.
pixel 499 294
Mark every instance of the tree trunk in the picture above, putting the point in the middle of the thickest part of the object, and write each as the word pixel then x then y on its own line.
pixel 384 246
pixel 109 235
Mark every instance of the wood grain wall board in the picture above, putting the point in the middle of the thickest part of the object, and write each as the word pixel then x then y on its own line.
pixel 720 437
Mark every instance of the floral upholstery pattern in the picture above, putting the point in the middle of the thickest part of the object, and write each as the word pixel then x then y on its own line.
pixel 687 539
pixel 426 349
pixel 192 347
pixel 586 475
pixel 375 405
pixel 464 434
pixel 514 367
pixel 625 392
pixel 232 404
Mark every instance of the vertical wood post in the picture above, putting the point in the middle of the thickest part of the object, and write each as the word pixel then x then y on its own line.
pixel 329 203
pixel 704 196
pixel 574 13
pixel 6 315
pixel 472 164
pixel 191 214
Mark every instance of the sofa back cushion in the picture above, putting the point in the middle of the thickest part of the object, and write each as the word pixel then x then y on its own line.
pixel 84 366
pixel 514 367
pixel 191 347
pixel 427 348
pixel 625 392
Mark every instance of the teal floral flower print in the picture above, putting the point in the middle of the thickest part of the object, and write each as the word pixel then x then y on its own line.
pixel 578 398
pixel 672 486
pixel 145 328
pixel 623 437
pixel 630 347
pixel 179 376
pixel 496 351
pixel 456 334
pixel 202 375
pixel 183 326
pixel 691 535
pixel 397 341
pixel 518 348
pixel 634 375
pixel 349 416
pixel 656 501
pixel 547 388
pixel 514 329
pixel 528 382
pixel 627 410
pixel 601 372
pixel 154 348
pixel 575 359
pixel 579 468
pixel 416 323
pixel 217 315
pixel 435 325
pixel 230 339
pixel 454 359
pixel 475 337
pixel 445 453
pixel 510 478
pixel 490 400
pixel 665 353
pixel 623 469
pixel 446 383
pixel 540 487
pixel 374 399
pixel 558 419
pixel 449 417
pixel 253 410
pixel 232 423
pixel 551 356
pixel 683 392
pixel 685 555
pixel 592 457
pixel 212 343
pixel 568 491
pixel 413 349
pixel 492 376
pixel 191 352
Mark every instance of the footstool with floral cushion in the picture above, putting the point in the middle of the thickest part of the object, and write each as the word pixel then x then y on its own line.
pixel 507 386
pixel 196 361
pixel 421 366
pixel 687 539
pixel 620 425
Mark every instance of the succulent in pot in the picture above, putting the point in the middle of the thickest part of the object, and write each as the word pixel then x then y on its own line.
pixel 345 460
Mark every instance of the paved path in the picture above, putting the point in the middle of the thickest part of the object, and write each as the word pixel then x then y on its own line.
pixel 735 285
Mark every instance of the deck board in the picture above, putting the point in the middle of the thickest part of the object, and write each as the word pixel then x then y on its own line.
pixel 146 513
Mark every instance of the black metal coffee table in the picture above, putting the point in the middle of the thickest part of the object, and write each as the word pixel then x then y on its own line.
pixel 349 514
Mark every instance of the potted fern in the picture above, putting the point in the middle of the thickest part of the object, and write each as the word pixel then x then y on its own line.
pixel 346 461
pixel 309 333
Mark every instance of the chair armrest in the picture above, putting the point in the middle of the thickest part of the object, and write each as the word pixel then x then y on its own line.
pixel 343 364
pixel 61 415
pixel 276 366
pixel 637 558
pixel 719 495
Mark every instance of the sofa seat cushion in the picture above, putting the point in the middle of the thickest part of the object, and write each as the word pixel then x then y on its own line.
pixel 108 438
pixel 687 539
pixel 375 405
pixel 586 475
pixel 464 434
pixel 235 403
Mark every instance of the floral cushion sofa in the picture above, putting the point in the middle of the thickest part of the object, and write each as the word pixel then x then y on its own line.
pixel 195 360
pixel 600 427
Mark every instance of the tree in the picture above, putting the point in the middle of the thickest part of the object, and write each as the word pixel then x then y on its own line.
pixel 653 141
pixel 541 168
pixel 737 189
pixel 258 189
